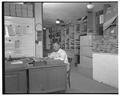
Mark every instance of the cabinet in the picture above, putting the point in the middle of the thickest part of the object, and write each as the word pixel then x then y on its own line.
pixel 15 82
pixel 47 79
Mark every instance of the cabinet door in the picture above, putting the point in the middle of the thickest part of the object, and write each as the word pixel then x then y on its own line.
pixel 57 79
pixel 15 82
pixel 37 80
pixel 47 79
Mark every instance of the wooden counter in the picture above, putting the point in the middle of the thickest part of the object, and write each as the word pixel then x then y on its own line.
pixel 44 78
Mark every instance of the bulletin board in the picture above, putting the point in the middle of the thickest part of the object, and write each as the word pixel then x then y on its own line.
pixel 19 37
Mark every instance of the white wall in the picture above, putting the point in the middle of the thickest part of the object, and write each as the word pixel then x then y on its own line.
pixel 105 68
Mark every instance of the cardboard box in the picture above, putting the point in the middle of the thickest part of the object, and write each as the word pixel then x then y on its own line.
pixel 30 10
pixel 24 10
pixel 18 10
pixel 6 9
pixel 12 9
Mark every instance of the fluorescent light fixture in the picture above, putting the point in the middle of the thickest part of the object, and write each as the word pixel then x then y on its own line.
pixel 90 6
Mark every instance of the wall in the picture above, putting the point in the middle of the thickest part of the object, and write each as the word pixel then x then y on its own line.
pixel 105 68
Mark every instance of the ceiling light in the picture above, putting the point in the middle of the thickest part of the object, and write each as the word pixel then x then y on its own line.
pixel 57 21
pixel 44 28
pixel 90 6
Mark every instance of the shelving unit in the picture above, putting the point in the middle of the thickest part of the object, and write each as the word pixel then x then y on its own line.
pixel 69 35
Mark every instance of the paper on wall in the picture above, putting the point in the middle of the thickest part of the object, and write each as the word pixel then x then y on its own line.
pixel 11 30
pixel 101 19
pixel 17 43
pixel 39 50
pixel 19 30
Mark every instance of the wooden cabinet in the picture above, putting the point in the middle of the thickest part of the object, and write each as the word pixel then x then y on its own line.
pixel 15 82
pixel 47 79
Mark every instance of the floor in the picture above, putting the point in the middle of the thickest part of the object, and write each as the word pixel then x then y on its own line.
pixel 82 82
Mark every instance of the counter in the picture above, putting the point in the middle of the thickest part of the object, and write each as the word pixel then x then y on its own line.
pixel 35 78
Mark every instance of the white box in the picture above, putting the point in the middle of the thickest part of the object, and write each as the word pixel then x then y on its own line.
pixel 86 51
pixel 105 68
pixel 86 62
pixel 86 40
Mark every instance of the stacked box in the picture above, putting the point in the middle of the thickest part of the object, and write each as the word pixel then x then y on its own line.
pixel 106 44
pixel 6 9
pixel 30 10
pixel 12 10
pixel 18 10
pixel 24 10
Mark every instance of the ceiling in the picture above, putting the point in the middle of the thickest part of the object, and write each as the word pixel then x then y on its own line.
pixel 68 12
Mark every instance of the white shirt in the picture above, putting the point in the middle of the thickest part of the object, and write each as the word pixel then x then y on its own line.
pixel 61 55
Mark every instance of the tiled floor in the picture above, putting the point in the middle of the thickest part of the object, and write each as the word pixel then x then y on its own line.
pixel 81 82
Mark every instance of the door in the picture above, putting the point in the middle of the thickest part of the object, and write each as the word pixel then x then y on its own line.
pixel 37 80
pixel 15 82
pixel 57 78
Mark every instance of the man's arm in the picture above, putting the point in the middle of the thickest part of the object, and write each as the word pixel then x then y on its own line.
pixel 52 55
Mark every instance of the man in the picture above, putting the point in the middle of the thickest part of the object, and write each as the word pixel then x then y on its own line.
pixel 59 54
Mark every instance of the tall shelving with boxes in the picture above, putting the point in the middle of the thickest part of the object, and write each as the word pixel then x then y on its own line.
pixel 69 36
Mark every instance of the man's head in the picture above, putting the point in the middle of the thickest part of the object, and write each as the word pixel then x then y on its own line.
pixel 56 46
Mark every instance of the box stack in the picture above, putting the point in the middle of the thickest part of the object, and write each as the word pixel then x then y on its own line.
pixel 6 9
pixel 108 43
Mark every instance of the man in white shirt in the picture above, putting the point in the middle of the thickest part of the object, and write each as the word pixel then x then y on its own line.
pixel 59 54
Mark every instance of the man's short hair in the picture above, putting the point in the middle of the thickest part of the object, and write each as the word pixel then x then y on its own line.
pixel 56 42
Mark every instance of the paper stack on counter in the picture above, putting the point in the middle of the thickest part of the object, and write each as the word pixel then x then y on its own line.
pixel 17 62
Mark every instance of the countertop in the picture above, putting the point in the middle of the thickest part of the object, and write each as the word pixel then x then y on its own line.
pixel 23 66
